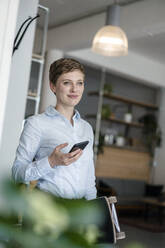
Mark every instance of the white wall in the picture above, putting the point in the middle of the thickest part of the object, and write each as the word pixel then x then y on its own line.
pixel 75 35
pixel 17 90
pixel 132 66
pixel 8 14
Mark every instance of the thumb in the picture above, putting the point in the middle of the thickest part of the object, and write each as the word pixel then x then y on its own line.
pixel 59 147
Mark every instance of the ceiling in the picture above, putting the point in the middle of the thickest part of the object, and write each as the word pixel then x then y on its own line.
pixel 64 11
pixel 148 40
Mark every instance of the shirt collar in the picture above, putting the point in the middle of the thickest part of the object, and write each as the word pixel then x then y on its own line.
pixel 76 114
pixel 51 111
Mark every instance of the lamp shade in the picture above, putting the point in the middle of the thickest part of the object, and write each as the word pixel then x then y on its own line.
pixel 110 41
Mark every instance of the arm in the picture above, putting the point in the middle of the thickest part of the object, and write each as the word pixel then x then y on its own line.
pixel 24 168
pixel 91 180
pixel 91 184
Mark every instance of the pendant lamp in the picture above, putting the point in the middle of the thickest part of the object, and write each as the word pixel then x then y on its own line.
pixel 111 40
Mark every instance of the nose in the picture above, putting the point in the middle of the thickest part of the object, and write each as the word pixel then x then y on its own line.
pixel 74 87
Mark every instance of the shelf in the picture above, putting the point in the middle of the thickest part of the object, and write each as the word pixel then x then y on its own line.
pixel 33 94
pixel 133 124
pixel 125 100
pixel 37 65
pixel 34 98
pixel 37 58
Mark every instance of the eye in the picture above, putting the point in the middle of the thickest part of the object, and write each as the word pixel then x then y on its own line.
pixel 66 82
pixel 80 83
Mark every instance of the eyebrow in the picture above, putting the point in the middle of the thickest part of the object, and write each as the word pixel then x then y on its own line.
pixel 72 80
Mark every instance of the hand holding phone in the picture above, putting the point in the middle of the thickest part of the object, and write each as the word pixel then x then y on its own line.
pixel 80 145
pixel 57 157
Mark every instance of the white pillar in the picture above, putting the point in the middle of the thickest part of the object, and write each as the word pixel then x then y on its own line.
pixel 13 90
pixel 47 97
pixel 8 14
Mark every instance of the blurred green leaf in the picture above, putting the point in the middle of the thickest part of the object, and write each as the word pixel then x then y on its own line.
pixel 82 212
pixel 135 245
pixel 47 221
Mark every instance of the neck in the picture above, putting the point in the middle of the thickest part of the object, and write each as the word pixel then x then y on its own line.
pixel 68 112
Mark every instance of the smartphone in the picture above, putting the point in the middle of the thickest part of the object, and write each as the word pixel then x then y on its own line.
pixel 80 145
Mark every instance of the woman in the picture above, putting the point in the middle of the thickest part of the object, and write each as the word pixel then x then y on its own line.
pixel 43 152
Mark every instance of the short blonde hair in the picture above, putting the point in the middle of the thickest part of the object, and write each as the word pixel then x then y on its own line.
pixel 63 65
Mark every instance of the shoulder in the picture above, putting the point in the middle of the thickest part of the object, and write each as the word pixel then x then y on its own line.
pixel 36 122
pixel 87 125
pixel 35 119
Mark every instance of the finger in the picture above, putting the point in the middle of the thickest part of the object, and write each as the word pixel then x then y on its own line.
pixel 68 161
pixel 72 154
pixel 75 157
pixel 59 147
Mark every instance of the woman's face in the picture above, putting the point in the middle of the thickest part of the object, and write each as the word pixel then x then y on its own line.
pixel 69 88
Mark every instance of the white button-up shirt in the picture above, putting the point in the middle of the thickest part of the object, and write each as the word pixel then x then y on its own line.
pixel 41 134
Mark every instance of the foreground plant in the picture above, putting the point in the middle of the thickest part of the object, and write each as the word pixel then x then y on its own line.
pixel 47 221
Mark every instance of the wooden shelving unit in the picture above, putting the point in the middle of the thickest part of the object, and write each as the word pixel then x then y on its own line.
pixel 127 161
pixel 37 68
pixel 125 100
pixel 112 119
pixel 127 147
pixel 123 164
pixel 133 124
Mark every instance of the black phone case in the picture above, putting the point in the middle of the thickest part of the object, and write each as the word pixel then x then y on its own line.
pixel 80 145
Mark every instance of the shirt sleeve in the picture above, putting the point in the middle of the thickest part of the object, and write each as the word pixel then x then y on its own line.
pixel 91 180
pixel 24 169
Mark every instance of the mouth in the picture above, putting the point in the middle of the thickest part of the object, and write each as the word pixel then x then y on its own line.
pixel 73 96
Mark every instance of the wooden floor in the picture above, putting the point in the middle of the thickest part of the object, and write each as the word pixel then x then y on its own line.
pixel 140 238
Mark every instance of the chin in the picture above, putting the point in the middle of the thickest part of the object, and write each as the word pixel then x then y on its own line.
pixel 74 103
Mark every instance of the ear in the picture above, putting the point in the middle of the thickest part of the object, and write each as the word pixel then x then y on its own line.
pixel 52 87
